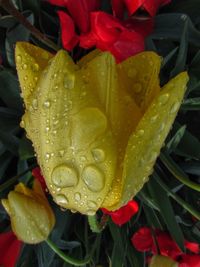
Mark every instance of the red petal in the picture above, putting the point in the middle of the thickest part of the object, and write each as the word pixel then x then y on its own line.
pixel 118 7
pixel 69 37
pixel 127 45
pixel 36 172
pixel 192 246
pixel 133 5
pixel 80 12
pixel 189 261
pixel 10 249
pixel 152 6
pixel 123 214
pixel 143 26
pixel 105 27
pixel 61 3
pixel 167 245
pixel 142 240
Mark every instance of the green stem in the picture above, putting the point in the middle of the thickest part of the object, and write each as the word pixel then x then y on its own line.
pixel 10 8
pixel 179 200
pixel 14 179
pixel 177 172
pixel 67 258
pixel 95 226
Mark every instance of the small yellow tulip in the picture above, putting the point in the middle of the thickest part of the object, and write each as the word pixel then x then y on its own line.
pixel 162 261
pixel 97 127
pixel 32 218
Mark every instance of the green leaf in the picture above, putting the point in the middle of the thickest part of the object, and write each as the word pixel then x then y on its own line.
pixel 25 149
pixel 167 212
pixel 189 145
pixel 9 91
pixel 10 141
pixel 173 29
pixel 191 104
pixel 175 140
pixel 182 53
pixel 18 33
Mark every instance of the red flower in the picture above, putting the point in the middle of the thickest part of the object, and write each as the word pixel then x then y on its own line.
pixel 189 261
pixel 143 241
pixel 101 30
pixel 151 6
pixel 10 249
pixel 124 214
pixel 109 34
pixel 36 172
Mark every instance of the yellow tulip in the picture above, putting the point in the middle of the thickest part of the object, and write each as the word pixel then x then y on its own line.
pixel 32 218
pixel 162 261
pixel 97 127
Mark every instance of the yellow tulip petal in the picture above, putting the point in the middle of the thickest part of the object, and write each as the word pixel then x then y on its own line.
pixel 100 69
pixel 32 218
pixel 145 143
pixel 30 61
pixel 162 261
pixel 70 133
pixel 140 75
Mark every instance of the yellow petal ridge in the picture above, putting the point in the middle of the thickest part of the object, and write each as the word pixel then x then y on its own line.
pixel 30 62
pixel 146 141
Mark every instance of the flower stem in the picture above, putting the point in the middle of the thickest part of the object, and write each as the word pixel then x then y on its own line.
pixel 12 180
pixel 95 226
pixel 177 172
pixel 179 200
pixel 10 8
pixel 67 258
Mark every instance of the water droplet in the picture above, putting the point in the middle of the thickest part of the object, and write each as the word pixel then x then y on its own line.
pixel 35 67
pixel 68 82
pixel 24 66
pixel 61 199
pixel 91 204
pixel 47 104
pixel 93 178
pixel 64 176
pixel 18 59
pixel 22 124
pixel 47 156
pixel 174 107
pixel 132 73
pixel 35 104
pixel 163 99
pixel 140 132
pixel 73 211
pixel 25 78
pixel 55 75
pixel 98 155
pixel 36 78
pixel 137 87
pixel 154 118
pixel 91 212
pixel 47 141
pixel 47 129
pixel 161 127
pixel 152 157
pixel 61 153
pixel 77 196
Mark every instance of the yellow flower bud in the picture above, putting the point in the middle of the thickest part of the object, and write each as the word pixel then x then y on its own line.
pixel 32 218
pixel 97 127
pixel 162 261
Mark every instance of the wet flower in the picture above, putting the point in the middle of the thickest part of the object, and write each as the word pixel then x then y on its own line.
pixel 32 218
pixel 10 249
pixel 123 214
pixel 97 127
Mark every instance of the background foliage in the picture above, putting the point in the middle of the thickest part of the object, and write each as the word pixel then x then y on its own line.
pixel 169 201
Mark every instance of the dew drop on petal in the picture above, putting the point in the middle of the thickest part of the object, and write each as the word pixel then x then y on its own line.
pixel 64 176
pixel 93 178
